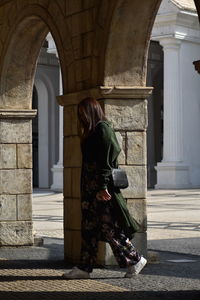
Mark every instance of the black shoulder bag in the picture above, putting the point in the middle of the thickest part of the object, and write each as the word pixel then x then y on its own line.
pixel 119 178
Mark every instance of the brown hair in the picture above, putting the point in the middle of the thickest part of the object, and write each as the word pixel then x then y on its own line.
pixel 89 114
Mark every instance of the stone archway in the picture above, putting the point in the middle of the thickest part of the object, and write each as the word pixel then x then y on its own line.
pixel 20 47
pixel 95 42
pixel 118 82
pixel 96 34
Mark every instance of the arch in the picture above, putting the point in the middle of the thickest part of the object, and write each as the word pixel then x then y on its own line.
pixel 126 46
pixel 128 41
pixel 21 51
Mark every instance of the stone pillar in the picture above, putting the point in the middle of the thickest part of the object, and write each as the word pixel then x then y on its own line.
pixel 16 177
pixel 172 172
pixel 126 108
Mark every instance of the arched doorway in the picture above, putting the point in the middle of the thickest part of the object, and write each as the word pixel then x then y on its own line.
pixel 155 112
pixel 22 46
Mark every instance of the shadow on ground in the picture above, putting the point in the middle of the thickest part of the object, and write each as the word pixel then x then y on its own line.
pixel 182 295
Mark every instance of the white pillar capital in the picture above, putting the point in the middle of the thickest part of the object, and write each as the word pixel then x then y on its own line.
pixel 170 43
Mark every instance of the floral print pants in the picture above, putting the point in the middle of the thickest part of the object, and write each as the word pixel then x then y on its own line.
pixel 100 223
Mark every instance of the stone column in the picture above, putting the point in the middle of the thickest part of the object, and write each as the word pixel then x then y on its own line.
pixel 126 108
pixel 16 177
pixel 172 172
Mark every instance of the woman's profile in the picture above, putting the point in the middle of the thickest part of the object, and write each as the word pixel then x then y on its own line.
pixel 104 212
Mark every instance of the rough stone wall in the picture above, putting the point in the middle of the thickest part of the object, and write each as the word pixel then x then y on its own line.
pixel 95 41
pixel 15 180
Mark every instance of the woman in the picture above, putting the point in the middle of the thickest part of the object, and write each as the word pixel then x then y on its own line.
pixel 104 212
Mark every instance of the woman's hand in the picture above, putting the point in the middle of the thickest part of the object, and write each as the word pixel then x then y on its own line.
pixel 103 195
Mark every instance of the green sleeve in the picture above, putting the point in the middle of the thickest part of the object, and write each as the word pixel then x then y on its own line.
pixel 103 147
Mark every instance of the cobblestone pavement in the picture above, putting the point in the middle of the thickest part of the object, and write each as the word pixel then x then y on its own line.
pixel 42 280
pixel 174 221
pixel 173 234
pixel 33 280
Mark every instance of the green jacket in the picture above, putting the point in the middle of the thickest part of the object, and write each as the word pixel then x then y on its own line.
pixel 107 150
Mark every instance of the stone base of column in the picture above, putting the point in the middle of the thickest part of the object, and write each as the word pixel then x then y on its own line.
pixel 172 175
pixel 57 172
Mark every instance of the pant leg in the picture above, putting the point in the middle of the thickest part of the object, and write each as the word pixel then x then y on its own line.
pixel 88 251
pixel 123 250
pixel 89 235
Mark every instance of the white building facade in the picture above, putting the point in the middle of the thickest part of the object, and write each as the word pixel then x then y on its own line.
pixel 177 30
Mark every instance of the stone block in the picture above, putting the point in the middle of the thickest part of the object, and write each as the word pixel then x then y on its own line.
pixel 70 120
pixel 7 207
pixel 24 156
pixel 24 207
pixel 101 253
pixel 122 156
pixel 67 120
pixel 71 75
pixel 81 22
pixel 76 177
pixel 15 131
pixel 18 181
pixel 73 7
pixel 72 213
pixel 83 69
pixel 137 182
pixel 74 130
pixel 126 114
pixel 88 4
pixel 77 46
pixel 105 255
pixel 136 148
pixel 137 208
pixel 67 182
pixel 7 156
pixel 72 152
pixel 68 245
pixel 140 242
pixel 73 246
pixel 16 233
pixel 88 40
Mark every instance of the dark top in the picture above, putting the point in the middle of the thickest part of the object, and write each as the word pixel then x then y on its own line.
pixel 102 149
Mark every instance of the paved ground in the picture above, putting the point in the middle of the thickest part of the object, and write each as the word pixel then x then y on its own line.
pixel 173 233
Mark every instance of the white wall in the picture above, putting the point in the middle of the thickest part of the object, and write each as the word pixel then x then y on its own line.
pixel 47 85
pixel 190 81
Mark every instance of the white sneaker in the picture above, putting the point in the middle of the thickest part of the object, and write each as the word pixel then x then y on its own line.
pixel 76 273
pixel 136 269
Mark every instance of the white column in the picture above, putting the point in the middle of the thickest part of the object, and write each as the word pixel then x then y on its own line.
pixel 57 170
pixel 172 172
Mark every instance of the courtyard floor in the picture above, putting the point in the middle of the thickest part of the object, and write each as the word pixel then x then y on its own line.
pixel 173 271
